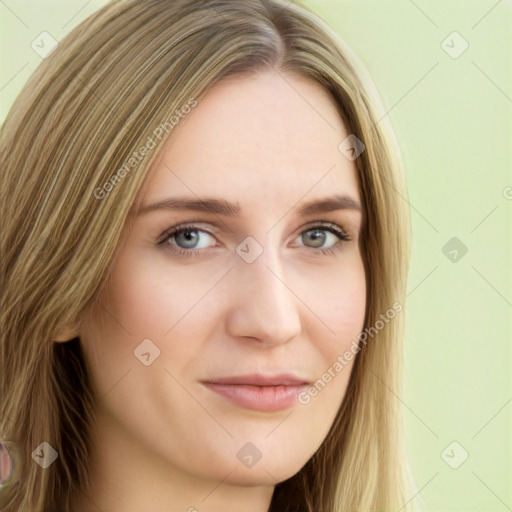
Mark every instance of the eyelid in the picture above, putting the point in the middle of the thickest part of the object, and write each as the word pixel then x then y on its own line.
pixel 326 224
pixel 192 225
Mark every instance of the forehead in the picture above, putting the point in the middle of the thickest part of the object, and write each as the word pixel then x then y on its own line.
pixel 267 139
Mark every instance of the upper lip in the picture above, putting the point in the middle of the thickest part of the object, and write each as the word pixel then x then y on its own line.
pixel 257 379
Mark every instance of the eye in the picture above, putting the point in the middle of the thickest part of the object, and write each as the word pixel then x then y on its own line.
pixel 187 240
pixel 318 235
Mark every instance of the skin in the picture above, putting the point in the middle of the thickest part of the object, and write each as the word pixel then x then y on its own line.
pixel 163 441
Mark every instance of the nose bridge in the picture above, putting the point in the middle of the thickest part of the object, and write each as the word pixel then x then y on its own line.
pixel 264 276
pixel 270 265
pixel 263 305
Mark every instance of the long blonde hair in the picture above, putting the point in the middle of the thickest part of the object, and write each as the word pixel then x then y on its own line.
pixel 90 104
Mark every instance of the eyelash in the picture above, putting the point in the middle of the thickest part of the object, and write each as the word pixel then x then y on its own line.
pixel 323 226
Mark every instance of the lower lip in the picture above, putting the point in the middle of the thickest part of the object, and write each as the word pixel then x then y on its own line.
pixel 259 398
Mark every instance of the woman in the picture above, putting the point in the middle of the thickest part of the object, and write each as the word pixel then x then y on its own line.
pixel 205 251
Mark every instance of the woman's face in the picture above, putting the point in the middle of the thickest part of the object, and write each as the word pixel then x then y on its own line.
pixel 189 320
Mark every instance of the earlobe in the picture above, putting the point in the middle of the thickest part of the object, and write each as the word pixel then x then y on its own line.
pixel 67 335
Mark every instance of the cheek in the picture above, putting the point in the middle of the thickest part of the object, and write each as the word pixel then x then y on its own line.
pixel 148 297
pixel 339 302
pixel 144 301
pixel 335 333
pixel 139 299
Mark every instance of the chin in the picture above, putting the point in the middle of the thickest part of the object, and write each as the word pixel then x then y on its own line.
pixel 262 476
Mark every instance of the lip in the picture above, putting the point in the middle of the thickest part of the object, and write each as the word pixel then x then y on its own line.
pixel 258 379
pixel 264 393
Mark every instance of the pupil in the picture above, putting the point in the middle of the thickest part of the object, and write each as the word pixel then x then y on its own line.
pixel 190 236
pixel 317 237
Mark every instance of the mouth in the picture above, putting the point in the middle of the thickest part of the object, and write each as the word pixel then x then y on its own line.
pixel 258 392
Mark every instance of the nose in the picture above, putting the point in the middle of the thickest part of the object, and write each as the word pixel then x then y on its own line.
pixel 262 306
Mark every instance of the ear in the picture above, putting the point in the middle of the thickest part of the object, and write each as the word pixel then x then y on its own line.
pixel 67 335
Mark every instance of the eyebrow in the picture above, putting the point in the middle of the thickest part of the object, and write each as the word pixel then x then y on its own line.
pixel 223 207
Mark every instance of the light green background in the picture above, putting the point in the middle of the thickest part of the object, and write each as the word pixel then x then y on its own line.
pixel 453 118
